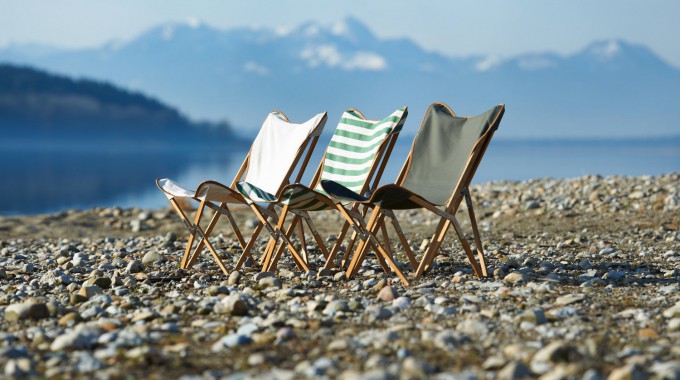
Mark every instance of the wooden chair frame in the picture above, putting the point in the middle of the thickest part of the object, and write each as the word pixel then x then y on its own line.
pixel 263 213
pixel 273 253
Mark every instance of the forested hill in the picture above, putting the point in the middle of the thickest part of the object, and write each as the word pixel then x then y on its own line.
pixel 37 104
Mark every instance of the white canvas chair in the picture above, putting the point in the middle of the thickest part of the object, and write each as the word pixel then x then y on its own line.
pixel 269 166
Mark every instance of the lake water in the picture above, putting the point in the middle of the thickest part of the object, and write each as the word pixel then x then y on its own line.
pixel 43 178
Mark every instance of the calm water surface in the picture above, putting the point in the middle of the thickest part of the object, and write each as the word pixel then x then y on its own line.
pixel 40 179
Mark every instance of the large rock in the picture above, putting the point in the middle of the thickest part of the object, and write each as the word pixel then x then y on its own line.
pixel 388 293
pixel 230 341
pixel 26 310
pixel 135 266
pixel 152 257
pixel 75 340
pixel 556 352
pixel 89 291
pixel 234 278
pixel 233 305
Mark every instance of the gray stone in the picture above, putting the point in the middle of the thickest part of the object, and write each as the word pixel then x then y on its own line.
pixel 628 372
pixel 234 305
pixel 56 277
pixel 666 370
pixel 514 371
pixel 474 327
pixel 416 367
pixel 377 312
pixel 546 358
pixel 285 334
pixel 270 282
pixel 402 303
pixel 335 306
pixel 77 339
pixel 234 277
pixel 19 368
pixel 230 341
pixel 215 290
pixel 570 298
pixel 152 257
pixel 260 275
pixel 134 266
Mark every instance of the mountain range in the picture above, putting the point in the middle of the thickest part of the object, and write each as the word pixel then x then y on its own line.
pixel 608 89
pixel 39 106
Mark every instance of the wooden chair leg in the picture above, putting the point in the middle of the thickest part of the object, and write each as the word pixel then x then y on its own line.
pixel 376 243
pixel 350 247
pixel 202 242
pixel 273 240
pixel 384 255
pixel 433 247
pixel 353 239
pixel 192 231
pixel 234 227
pixel 303 243
pixel 402 239
pixel 271 244
pixel 248 247
pixel 475 232
pixel 317 237
pixel 361 250
pixel 275 253
pixel 466 248
pixel 212 250
pixel 330 260
pixel 287 244
pixel 386 239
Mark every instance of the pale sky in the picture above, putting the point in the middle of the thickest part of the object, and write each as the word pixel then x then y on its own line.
pixel 455 28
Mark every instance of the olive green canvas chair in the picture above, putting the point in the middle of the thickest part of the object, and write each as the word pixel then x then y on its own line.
pixel 268 167
pixel 356 157
pixel 436 176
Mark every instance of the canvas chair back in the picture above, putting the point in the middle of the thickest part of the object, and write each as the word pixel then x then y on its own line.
pixel 356 146
pixel 276 148
pixel 446 152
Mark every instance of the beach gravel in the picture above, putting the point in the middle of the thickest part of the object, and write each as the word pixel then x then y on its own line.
pixel 584 284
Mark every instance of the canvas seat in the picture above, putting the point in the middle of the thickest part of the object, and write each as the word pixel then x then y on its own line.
pixel 436 176
pixel 269 165
pixel 356 157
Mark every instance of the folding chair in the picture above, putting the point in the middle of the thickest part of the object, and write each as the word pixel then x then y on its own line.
pixel 269 165
pixel 355 157
pixel 436 176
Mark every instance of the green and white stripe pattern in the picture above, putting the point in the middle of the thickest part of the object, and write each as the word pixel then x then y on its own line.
pixel 254 193
pixel 349 157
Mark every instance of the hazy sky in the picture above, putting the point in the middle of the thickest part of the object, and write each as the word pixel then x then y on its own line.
pixel 500 27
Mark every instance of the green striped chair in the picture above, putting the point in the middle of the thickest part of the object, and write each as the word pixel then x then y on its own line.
pixel 355 157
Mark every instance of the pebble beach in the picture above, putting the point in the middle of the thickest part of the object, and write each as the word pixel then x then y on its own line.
pixel 584 284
